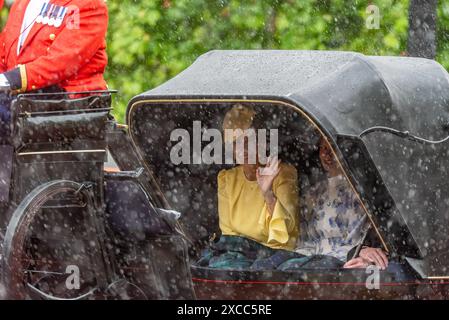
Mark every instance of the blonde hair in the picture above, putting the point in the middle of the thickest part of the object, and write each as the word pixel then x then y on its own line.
pixel 238 117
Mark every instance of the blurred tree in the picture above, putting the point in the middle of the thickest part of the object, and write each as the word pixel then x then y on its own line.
pixel 443 34
pixel 152 41
pixel 422 29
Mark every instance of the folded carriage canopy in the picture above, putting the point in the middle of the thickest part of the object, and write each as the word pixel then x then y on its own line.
pixel 386 117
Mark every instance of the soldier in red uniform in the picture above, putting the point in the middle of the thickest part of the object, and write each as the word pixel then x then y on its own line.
pixel 52 45
pixel 55 43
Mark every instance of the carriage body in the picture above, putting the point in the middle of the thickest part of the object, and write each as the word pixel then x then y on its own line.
pixel 387 121
pixel 58 205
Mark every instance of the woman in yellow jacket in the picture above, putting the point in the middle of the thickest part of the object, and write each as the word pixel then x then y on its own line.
pixel 258 206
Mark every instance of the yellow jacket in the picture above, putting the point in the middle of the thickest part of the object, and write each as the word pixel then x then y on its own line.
pixel 243 212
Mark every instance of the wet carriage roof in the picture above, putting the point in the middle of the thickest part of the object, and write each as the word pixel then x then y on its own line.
pixel 347 93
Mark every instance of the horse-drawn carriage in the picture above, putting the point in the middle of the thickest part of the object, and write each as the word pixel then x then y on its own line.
pixel 386 119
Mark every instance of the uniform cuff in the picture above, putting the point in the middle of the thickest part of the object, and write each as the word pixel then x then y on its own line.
pixel 17 78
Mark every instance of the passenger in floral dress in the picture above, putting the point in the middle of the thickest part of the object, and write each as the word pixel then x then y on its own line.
pixel 333 224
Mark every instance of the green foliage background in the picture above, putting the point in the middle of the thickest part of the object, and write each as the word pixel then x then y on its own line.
pixel 150 41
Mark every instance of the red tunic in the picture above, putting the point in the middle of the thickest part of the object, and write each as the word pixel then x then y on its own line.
pixel 71 56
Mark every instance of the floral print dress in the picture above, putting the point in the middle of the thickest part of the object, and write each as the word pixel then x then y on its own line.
pixel 332 221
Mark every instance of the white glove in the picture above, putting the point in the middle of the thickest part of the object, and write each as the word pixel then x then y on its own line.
pixel 4 83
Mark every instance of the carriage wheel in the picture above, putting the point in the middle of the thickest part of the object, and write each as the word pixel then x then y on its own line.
pixel 55 228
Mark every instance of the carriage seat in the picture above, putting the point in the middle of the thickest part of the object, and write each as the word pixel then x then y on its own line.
pixel 58 123
pixel 57 138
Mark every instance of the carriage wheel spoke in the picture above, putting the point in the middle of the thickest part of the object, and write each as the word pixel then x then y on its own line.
pixel 45 272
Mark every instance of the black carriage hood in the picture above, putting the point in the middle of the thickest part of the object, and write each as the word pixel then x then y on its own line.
pixel 352 97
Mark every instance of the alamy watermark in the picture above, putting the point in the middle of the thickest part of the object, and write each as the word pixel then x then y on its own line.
pixel 373 280
pixel 72 282
pixel 73 17
pixel 373 17
pixel 248 146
